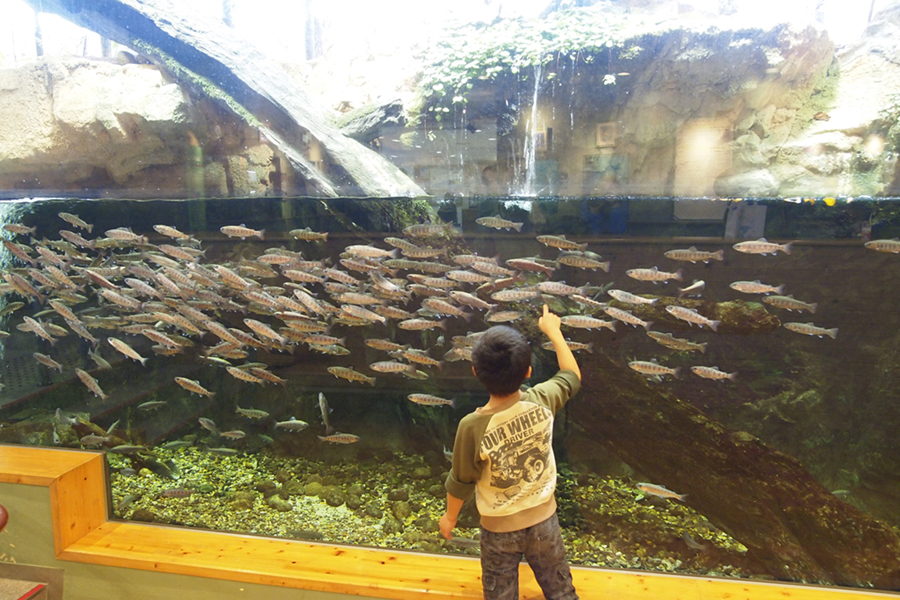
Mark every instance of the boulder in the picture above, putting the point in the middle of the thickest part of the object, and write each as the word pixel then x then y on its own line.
pixel 73 121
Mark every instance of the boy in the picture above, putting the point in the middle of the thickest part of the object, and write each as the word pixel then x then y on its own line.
pixel 503 454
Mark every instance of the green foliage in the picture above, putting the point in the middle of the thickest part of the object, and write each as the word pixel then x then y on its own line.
pixel 473 53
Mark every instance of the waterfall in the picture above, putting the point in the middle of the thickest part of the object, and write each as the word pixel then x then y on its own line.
pixel 531 131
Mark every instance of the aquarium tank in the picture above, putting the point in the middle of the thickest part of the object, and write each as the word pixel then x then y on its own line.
pixel 247 251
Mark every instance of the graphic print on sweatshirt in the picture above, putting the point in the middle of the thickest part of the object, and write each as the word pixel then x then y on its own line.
pixel 518 444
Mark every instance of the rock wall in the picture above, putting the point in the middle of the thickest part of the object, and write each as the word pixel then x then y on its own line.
pixel 98 127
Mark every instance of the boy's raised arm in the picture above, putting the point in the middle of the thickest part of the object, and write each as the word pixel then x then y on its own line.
pixel 549 323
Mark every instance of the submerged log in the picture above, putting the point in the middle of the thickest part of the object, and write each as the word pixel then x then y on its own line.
pixel 792 526
pixel 208 48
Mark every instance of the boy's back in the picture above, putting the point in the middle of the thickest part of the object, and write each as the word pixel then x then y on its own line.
pixel 503 453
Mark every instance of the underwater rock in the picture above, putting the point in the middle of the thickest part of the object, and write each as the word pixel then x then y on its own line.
pixel 293 488
pixel 279 504
pixel 353 502
pixel 313 488
pixel 144 515
pixel 242 500
pixel 421 473
pixel 391 526
pixel 437 490
pixel 334 498
pixel 427 524
pixel 398 495
pixel 356 490
pixel 266 487
pixel 799 531
pixel 401 510
pixel 373 511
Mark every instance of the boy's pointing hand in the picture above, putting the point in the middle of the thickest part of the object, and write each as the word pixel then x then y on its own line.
pixel 549 323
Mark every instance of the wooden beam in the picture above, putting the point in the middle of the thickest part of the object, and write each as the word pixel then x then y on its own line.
pixel 78 490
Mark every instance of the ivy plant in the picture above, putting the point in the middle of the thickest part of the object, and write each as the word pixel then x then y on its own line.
pixel 477 52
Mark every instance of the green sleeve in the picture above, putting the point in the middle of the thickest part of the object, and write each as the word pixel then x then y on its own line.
pixel 556 391
pixel 467 463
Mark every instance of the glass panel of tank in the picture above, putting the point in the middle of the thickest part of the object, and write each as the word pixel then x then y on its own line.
pixel 297 367
pixel 293 361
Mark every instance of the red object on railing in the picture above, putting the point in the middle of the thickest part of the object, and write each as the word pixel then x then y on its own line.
pixel 4 517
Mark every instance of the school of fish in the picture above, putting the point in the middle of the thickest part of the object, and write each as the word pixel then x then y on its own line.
pixel 165 291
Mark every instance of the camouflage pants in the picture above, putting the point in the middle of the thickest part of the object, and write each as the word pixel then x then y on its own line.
pixel 542 546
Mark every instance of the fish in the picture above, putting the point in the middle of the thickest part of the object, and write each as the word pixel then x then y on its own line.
pixel 428 229
pixel 152 405
pixel 420 324
pixel 90 383
pixel 573 346
pixel 583 261
pixel 19 229
pixel 653 274
pixel 323 407
pixel 516 295
pixel 445 308
pixel 693 255
pixel 429 400
pixel 660 491
pixel 694 289
pixel 11 308
pixel 242 231
pixel 292 424
pixel 308 235
pixel 101 362
pixel 504 316
pixel 670 341
pixel 652 368
pixel 38 329
pixel 340 438
pixel 790 303
pixel 19 252
pixel 630 298
pixel 175 493
pixel 528 264
pixel 756 287
pixel 627 317
pixel 386 345
pixel 692 316
pixel 810 329
pixel 559 288
pixel 242 375
pixel 351 375
pixel 126 350
pixel 713 373
pixel 585 322
pixel 208 424
pixel 234 434
pixel 47 361
pixel 560 242
pixel 891 246
pixel 94 440
pixel 497 222
pixel 251 413
pixel 370 251
pixel 75 221
pixel 170 232
pixel 193 387
pixel 762 246
pixel 392 366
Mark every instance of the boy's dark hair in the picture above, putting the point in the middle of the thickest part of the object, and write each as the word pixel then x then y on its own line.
pixel 501 358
